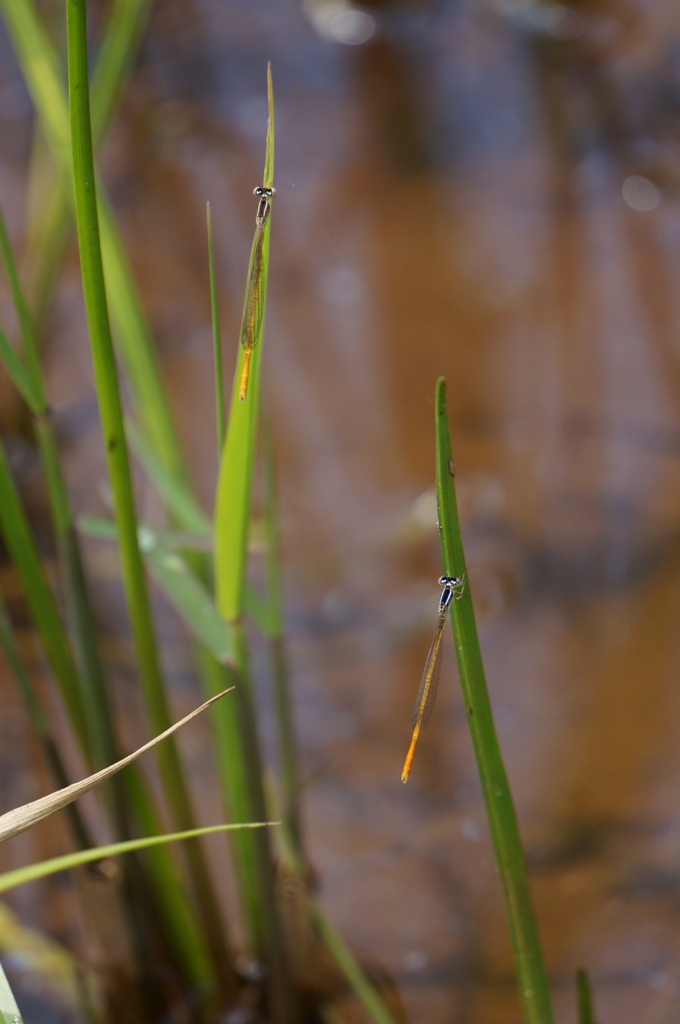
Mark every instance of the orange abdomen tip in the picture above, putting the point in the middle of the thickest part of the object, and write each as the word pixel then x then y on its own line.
pixel 408 763
pixel 245 374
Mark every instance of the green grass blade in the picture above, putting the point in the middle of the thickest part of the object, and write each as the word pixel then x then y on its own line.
pixel 234 486
pixel 20 876
pixel 106 377
pixel 108 394
pixel 268 181
pixel 531 976
pixel 242 775
pixel 107 380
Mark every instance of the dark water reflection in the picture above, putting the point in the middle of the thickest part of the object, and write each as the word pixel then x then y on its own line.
pixel 492 196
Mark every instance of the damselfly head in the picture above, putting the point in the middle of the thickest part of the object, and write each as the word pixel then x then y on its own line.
pixel 265 196
pixel 449 581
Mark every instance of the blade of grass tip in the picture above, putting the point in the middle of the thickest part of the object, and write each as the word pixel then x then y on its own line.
pixel 269 155
pixel 110 406
pixel 584 998
pixel 217 343
pixel 531 976
pixel 20 876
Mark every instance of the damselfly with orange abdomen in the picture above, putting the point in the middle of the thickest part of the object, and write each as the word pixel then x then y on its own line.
pixel 253 306
pixel 422 709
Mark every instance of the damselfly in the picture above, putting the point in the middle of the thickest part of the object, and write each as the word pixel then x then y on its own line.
pixel 253 307
pixel 422 709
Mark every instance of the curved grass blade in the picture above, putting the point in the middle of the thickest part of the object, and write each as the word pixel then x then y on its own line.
pixel 22 818
pixel 11 879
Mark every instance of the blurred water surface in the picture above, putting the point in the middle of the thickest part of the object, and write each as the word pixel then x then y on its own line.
pixel 488 193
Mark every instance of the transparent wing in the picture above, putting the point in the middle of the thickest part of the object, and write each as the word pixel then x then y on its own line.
pixel 253 306
pixel 427 692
